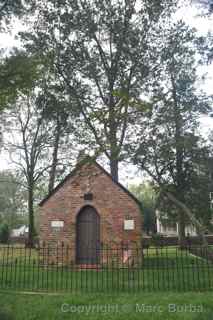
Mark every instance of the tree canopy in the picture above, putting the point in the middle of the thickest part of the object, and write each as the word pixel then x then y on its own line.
pixel 100 53
pixel 119 78
pixel 170 147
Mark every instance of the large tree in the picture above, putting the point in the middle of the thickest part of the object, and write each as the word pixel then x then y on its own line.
pixel 99 51
pixel 19 73
pixel 29 138
pixel 68 135
pixel 170 148
pixel 17 70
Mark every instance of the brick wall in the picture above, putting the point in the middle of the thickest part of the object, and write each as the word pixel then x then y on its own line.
pixel 112 203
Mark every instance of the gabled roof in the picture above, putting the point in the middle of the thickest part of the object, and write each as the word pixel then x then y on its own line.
pixel 72 174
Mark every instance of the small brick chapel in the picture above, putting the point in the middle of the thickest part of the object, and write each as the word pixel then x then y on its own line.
pixel 89 210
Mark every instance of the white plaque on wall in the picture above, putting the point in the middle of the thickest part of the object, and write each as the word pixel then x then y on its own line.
pixel 129 224
pixel 57 224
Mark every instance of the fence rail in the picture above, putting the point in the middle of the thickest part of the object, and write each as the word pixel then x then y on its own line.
pixel 110 269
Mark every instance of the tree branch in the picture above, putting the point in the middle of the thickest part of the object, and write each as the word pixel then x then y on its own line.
pixel 3 6
pixel 200 228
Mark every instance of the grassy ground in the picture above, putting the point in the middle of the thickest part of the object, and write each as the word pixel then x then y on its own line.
pixel 161 269
pixel 186 306
pixel 163 272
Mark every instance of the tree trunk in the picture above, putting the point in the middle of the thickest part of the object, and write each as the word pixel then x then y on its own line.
pixel 179 204
pixel 54 159
pixel 200 229
pixel 31 218
pixel 181 229
pixel 114 152
pixel 114 169
pixel 179 162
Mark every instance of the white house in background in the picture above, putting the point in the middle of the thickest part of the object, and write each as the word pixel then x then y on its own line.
pixel 169 229
pixel 19 232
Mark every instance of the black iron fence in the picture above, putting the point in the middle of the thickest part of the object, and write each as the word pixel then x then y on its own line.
pixel 106 269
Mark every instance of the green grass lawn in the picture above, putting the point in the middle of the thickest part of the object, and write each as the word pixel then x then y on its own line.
pixel 150 291
pixel 166 269
pixel 67 280
pixel 126 306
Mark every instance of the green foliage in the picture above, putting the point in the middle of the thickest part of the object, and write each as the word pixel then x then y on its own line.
pixel 170 148
pixel 4 233
pixel 147 195
pixel 11 8
pixel 19 74
pixel 157 240
pixel 98 50
pixel 12 199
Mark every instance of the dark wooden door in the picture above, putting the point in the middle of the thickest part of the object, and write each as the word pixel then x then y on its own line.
pixel 88 236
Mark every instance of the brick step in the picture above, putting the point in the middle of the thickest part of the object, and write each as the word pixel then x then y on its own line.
pixel 88 266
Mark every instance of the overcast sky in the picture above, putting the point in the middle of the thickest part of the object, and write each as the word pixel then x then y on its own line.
pixel 188 14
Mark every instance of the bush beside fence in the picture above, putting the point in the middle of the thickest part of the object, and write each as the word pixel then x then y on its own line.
pixel 173 241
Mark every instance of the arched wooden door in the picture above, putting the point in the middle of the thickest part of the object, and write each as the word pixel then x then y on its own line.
pixel 88 236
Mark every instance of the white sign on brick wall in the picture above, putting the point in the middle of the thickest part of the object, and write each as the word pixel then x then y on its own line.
pixel 129 224
pixel 57 224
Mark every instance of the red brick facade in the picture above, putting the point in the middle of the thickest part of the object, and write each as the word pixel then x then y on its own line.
pixel 112 202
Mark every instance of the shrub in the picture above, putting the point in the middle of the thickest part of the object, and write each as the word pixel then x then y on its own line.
pixel 157 240
pixel 4 233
